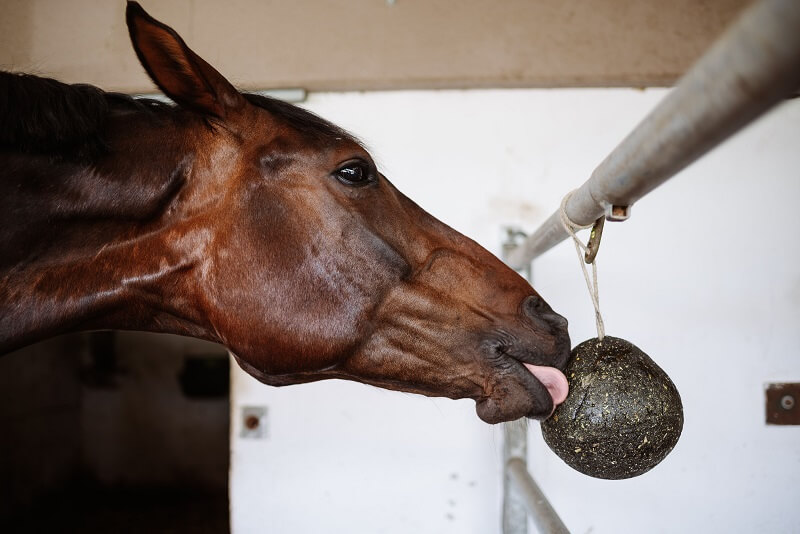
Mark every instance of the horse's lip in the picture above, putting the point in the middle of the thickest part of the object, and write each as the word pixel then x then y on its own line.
pixel 512 368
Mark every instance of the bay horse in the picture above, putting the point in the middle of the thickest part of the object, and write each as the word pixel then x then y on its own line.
pixel 247 221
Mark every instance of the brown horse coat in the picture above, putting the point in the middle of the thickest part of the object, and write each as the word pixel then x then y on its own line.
pixel 249 222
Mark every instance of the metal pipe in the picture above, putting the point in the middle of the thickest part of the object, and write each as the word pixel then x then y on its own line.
pixel 515 433
pixel 544 516
pixel 515 445
pixel 751 67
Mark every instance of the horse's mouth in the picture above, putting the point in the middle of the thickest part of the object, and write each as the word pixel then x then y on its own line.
pixel 552 379
pixel 520 389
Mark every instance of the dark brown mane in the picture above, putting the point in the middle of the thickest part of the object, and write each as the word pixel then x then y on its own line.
pixel 44 116
pixel 304 121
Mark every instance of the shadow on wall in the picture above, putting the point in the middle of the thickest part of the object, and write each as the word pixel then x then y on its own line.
pixel 115 426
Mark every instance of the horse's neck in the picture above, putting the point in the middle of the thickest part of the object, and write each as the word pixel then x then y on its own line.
pixel 90 246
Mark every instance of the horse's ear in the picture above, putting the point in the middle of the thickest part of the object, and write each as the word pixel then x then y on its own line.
pixel 183 75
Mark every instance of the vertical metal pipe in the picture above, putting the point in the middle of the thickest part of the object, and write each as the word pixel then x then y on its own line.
pixel 520 492
pixel 750 68
pixel 515 433
pixel 515 445
pixel 544 516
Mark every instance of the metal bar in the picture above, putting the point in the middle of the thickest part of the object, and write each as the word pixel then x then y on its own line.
pixel 544 516
pixel 515 445
pixel 515 433
pixel 751 67
pixel 520 492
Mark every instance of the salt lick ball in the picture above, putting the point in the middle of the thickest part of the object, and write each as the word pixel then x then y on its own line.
pixel 622 416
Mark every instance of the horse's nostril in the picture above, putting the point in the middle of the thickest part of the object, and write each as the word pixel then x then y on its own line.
pixel 535 306
pixel 559 321
pixel 536 309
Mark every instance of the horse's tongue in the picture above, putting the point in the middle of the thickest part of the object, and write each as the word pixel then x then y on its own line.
pixel 553 379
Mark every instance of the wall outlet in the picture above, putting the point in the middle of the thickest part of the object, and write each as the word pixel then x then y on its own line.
pixel 783 404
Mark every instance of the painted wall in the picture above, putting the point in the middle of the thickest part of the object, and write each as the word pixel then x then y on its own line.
pixel 703 277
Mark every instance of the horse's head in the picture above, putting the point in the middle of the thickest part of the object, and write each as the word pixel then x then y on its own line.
pixel 312 265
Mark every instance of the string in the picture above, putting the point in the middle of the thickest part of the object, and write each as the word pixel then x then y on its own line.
pixel 580 248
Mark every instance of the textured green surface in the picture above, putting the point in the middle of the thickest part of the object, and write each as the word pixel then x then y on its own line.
pixel 622 415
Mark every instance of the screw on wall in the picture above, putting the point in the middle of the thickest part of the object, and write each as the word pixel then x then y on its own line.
pixel 782 404
pixel 253 421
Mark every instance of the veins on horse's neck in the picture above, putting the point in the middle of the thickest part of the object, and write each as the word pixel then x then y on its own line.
pixel 86 247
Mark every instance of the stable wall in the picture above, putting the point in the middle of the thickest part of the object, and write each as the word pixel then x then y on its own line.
pixel 702 277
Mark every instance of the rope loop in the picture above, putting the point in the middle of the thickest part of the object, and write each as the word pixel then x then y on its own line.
pixel 571 227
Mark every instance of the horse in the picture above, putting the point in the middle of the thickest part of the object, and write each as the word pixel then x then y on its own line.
pixel 250 222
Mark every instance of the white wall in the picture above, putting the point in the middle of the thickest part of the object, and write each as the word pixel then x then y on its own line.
pixel 704 278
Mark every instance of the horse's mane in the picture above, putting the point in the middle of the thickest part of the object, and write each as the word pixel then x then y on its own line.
pixel 302 120
pixel 45 116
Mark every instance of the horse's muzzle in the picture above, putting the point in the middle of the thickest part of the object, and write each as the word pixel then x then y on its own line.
pixel 528 358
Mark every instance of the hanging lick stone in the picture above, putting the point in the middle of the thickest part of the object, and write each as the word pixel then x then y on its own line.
pixel 622 416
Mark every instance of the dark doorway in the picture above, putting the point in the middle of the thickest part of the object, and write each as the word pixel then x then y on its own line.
pixel 115 432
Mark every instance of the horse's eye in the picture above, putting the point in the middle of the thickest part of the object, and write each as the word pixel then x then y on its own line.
pixel 354 173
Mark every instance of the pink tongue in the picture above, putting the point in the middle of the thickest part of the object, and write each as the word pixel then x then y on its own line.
pixel 553 379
